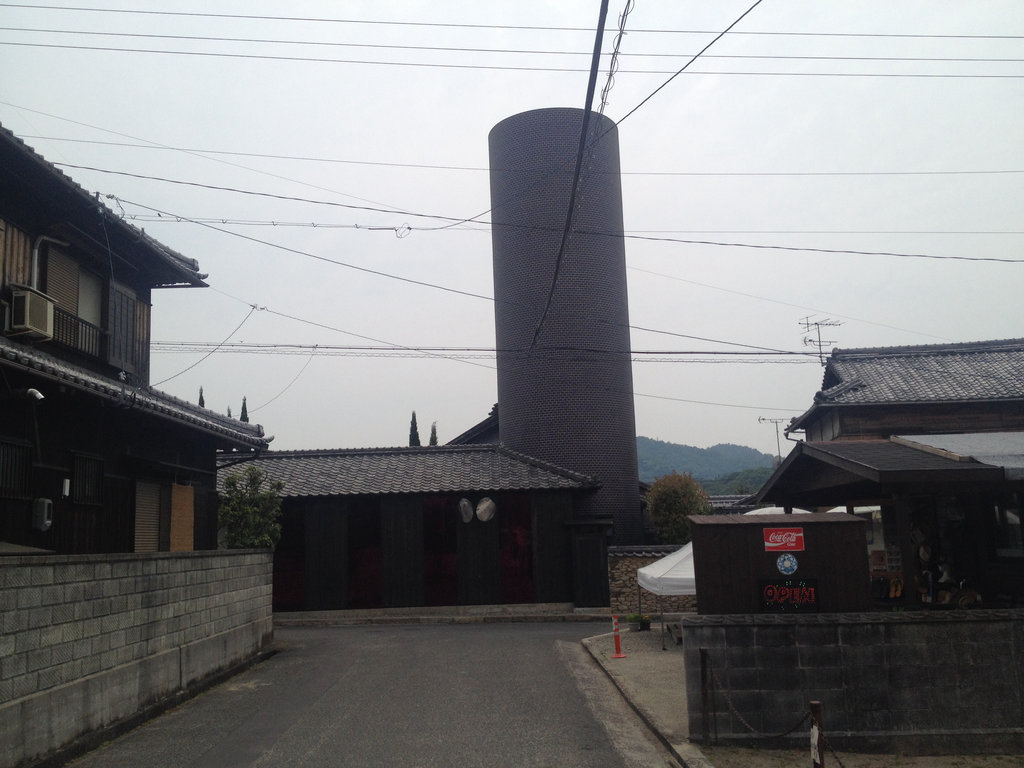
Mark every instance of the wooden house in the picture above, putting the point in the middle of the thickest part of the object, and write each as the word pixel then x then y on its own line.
pixel 92 459
pixel 926 442
pixel 427 526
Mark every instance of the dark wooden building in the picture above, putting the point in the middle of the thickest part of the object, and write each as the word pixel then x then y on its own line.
pixel 780 563
pixel 92 459
pixel 449 525
pixel 927 443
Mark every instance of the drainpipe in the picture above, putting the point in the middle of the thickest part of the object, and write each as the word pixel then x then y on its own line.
pixel 34 279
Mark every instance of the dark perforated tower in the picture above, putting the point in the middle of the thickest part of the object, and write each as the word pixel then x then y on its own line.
pixel 569 400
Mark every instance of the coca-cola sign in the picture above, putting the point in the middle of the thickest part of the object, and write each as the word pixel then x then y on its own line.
pixel 783 539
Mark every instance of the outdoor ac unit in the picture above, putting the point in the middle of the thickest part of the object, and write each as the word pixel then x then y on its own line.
pixel 32 313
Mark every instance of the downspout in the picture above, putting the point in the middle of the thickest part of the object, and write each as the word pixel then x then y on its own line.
pixel 34 278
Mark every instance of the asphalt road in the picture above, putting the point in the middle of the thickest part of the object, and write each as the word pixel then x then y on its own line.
pixel 452 695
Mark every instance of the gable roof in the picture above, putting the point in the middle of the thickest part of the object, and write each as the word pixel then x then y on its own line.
pixel 28 171
pixel 430 469
pixel 485 431
pixel 38 363
pixel 833 472
pixel 979 371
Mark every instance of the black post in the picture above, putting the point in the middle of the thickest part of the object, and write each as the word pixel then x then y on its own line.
pixel 704 714
pixel 817 736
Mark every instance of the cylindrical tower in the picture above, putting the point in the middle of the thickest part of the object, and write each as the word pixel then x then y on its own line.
pixel 565 392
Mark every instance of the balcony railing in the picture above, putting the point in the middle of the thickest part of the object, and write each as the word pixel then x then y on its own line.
pixel 77 334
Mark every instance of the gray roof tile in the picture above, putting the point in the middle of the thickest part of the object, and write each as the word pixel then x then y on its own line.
pixel 983 370
pixel 158 403
pixel 433 469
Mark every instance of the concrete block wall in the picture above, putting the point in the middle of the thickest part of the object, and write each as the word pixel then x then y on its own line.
pixel 622 585
pixel 944 682
pixel 87 641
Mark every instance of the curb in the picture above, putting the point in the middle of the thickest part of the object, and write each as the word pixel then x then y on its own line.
pixel 688 755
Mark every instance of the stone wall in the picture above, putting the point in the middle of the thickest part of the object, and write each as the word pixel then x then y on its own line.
pixel 942 682
pixel 626 596
pixel 87 641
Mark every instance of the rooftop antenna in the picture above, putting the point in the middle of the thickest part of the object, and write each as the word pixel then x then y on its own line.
pixel 814 339
pixel 778 443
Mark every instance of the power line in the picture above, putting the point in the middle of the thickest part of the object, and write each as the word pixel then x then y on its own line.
pixel 457 221
pixel 493 67
pixel 383 22
pixel 580 152
pixel 512 51
pixel 685 66
pixel 628 233
pixel 252 309
pixel 482 169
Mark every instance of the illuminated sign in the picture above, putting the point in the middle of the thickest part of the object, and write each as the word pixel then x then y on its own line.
pixel 788 595
pixel 783 539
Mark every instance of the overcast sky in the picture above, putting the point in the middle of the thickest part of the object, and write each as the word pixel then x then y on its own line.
pixel 855 162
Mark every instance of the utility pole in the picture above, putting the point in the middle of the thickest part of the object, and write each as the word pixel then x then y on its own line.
pixel 778 443
pixel 815 340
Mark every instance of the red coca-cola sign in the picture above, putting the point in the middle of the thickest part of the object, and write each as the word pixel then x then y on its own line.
pixel 784 539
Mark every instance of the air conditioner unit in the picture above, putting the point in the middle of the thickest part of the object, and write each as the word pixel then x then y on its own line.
pixel 32 313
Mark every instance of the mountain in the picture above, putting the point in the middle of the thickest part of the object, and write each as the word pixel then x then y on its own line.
pixel 656 458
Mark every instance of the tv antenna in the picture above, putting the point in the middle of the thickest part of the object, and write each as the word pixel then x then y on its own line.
pixel 813 338
pixel 778 443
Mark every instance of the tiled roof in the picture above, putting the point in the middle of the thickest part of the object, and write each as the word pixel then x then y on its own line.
pixel 176 268
pixel 35 361
pixel 830 472
pixel 433 469
pixel 982 370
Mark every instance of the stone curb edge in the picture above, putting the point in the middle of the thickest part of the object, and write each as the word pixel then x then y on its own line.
pixel 694 757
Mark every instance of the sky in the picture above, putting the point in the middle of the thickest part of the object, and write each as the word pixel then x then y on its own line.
pixel 852 164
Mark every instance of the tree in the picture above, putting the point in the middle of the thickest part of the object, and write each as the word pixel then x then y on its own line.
pixel 229 411
pixel 250 510
pixel 202 400
pixel 414 432
pixel 671 499
pixel 244 416
pixel 433 434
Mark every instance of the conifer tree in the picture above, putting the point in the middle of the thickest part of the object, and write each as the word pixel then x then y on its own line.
pixel 414 432
pixel 202 400
pixel 433 434
pixel 244 416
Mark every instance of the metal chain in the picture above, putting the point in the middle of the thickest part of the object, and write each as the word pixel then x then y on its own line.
pixel 828 745
pixel 752 729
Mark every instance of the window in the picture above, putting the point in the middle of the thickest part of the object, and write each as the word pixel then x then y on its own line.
pixel 78 298
pixel 87 480
pixel 1009 542
pixel 15 470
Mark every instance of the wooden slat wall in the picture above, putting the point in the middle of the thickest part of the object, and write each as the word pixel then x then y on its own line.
pixel 182 518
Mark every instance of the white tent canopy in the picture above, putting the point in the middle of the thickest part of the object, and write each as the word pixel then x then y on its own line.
pixel 671 575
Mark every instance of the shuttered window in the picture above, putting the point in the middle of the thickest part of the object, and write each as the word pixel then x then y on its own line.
pixel 128 327
pixel 62 280
pixel 147 517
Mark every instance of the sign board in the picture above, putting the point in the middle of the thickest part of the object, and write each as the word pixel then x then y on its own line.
pixel 789 595
pixel 783 539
